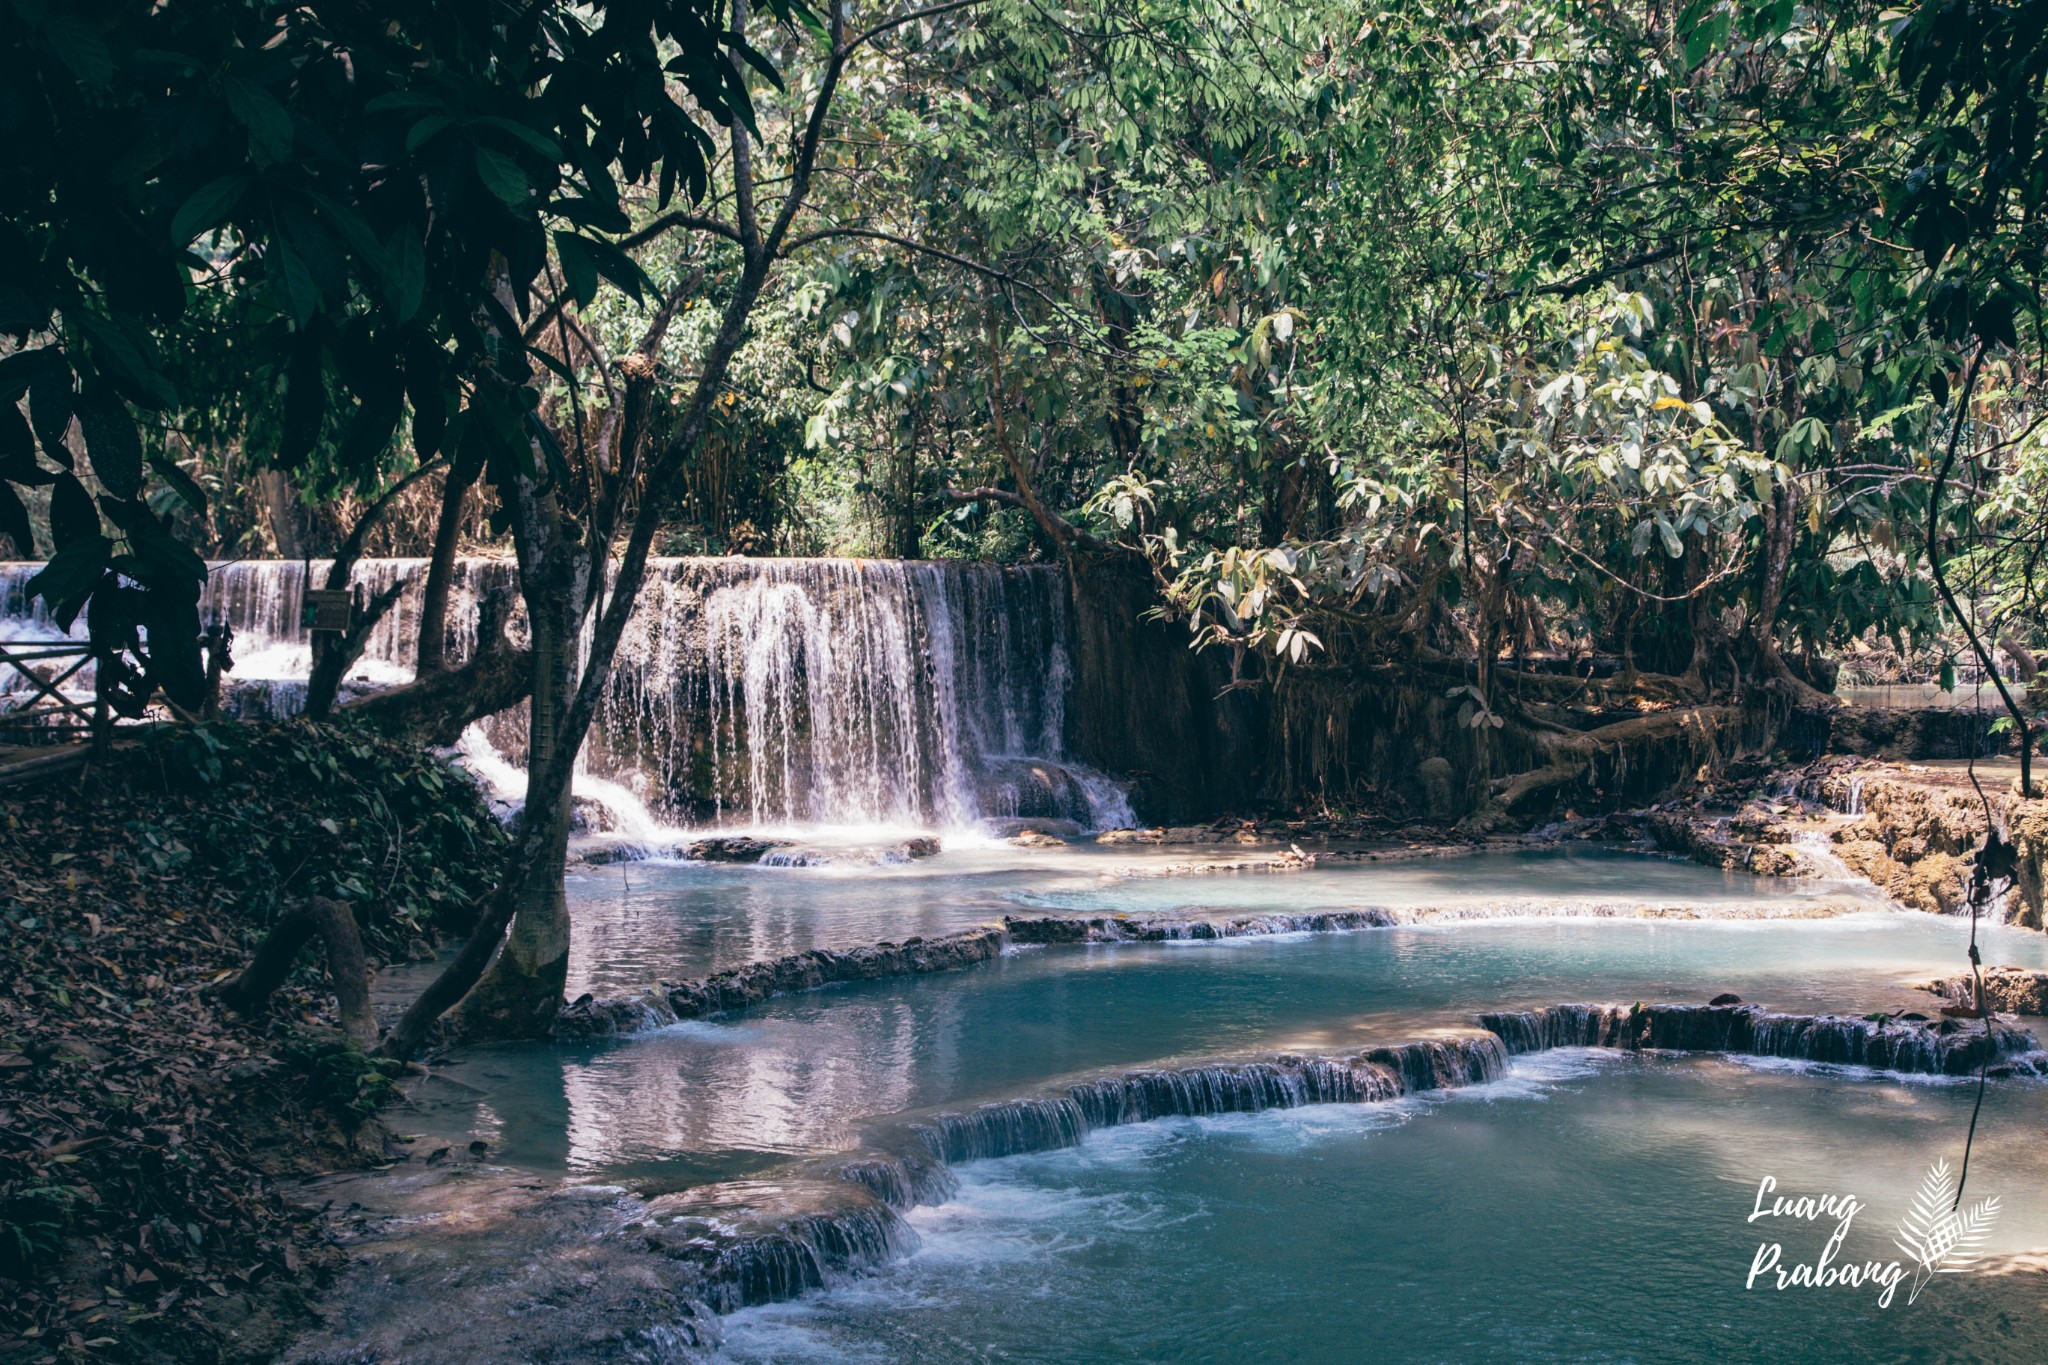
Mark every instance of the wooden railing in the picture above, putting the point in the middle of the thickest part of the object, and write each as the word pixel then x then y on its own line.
pixel 42 713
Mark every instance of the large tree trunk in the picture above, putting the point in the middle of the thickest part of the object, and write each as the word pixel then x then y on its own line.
pixel 1781 532
pixel 334 656
pixel 433 651
pixel 521 994
pixel 529 973
pixel 438 707
pixel 283 515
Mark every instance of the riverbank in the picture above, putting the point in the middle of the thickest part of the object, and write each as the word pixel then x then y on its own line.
pixel 151 1140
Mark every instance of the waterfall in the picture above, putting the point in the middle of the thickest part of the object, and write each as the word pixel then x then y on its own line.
pixel 768 693
pixel 1819 851
pixel 1014 1127
pixel 1945 1047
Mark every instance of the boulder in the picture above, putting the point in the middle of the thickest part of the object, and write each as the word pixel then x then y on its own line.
pixel 733 848
pixel 1005 827
pixel 2008 990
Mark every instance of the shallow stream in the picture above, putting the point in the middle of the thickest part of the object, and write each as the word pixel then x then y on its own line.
pixel 1592 1206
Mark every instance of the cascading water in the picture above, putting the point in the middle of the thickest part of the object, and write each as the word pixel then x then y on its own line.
pixel 791 692
pixel 757 692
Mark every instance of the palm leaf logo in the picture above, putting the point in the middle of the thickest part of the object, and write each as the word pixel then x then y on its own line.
pixel 1940 1238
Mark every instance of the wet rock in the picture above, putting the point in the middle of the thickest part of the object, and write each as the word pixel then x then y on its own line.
pixel 2007 990
pixel 1725 1000
pixel 758 981
pixel 733 848
pixel 1439 796
pixel 1131 836
pixel 1163 928
pixel 1063 1118
pixel 756 1242
pixel 1032 838
pixel 1947 1047
pixel 1033 789
pixel 606 854
pixel 926 846
pixel 1006 827
pixel 1761 823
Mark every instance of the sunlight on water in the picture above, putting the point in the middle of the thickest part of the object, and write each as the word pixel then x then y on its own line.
pixel 729 1095
pixel 1592 1207
pixel 639 923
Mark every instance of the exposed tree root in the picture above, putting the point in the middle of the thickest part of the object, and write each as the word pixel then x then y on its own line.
pixel 335 923
pixel 1572 754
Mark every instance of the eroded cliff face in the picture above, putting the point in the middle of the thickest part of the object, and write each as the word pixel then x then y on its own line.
pixel 2029 826
pixel 1913 833
pixel 1916 830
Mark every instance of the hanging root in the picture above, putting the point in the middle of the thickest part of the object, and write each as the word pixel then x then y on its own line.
pixel 1572 755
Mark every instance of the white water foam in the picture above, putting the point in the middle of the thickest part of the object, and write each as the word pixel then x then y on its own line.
pixel 877 698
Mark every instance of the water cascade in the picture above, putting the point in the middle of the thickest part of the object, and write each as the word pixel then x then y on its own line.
pixel 755 692
pixel 1945 1047
pixel 1047 1123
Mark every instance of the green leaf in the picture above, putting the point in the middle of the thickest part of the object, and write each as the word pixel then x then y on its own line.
pixel 14 523
pixel 621 269
pixel 369 432
pixel 362 242
pixel 269 125
pixel 579 267
pixel 426 130
pixel 112 442
pixel 305 404
pixel 184 485
pixel 542 146
pixel 503 177
pixel 408 285
pixel 73 517
pixel 1672 545
pixel 298 294
pixel 78 47
pixel 50 405
pixel 66 583
pixel 122 360
pixel 17 447
pixel 207 207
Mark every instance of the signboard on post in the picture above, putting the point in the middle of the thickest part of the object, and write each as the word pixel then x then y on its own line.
pixel 329 610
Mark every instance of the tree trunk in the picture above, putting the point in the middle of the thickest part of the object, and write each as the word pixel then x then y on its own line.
pixel 332 658
pixel 1781 532
pixel 336 924
pixel 557 602
pixel 283 516
pixel 438 707
pixel 521 994
pixel 433 651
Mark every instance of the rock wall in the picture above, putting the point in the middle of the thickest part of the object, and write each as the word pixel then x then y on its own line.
pixel 1916 832
pixel 1147 707
pixel 1368 737
pixel 1914 734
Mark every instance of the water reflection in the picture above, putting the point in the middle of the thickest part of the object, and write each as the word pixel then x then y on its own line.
pixel 638 923
pixel 791 1076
